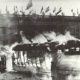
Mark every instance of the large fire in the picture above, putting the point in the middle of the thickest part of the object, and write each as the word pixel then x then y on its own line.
pixel 61 59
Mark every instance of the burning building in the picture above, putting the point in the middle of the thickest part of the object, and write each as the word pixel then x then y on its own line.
pixel 40 38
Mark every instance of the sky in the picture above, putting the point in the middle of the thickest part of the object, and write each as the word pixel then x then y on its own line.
pixel 66 5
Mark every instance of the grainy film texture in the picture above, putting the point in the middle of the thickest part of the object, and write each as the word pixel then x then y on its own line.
pixel 39 40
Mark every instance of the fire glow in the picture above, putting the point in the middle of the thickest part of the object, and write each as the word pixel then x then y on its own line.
pixel 41 40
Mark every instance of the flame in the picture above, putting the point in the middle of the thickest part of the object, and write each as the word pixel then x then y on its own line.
pixel 60 37
pixel 39 39
pixel 49 36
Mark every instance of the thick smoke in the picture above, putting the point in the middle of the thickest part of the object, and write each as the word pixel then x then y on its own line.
pixel 42 38
pixel 24 40
pixel 54 37
pixel 8 28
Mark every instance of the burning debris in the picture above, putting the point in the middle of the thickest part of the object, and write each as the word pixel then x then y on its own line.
pixel 58 42
pixel 42 49
pixel 35 54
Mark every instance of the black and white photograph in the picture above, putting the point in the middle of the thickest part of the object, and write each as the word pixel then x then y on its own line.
pixel 39 39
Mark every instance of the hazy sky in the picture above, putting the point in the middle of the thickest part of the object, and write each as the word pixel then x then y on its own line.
pixel 66 5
